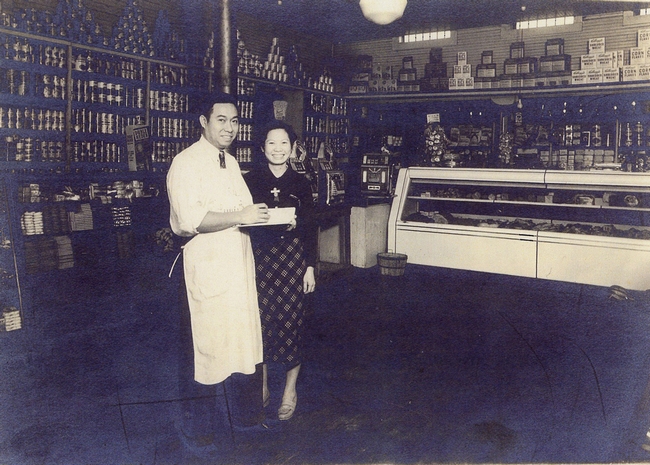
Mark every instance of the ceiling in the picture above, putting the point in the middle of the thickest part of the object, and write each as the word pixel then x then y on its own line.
pixel 341 21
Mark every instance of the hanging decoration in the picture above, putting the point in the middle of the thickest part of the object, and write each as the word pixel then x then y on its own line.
pixel 435 144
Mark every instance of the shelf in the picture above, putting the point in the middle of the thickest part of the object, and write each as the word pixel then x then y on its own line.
pixel 283 85
pixel 496 94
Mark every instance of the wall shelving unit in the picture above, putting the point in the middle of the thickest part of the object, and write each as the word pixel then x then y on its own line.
pixel 75 213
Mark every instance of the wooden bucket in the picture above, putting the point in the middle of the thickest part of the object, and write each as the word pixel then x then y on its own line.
pixel 391 264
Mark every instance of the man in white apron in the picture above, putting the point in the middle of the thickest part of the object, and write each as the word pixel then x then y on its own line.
pixel 208 201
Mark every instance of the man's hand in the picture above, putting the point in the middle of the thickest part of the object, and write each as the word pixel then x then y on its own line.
pixel 257 213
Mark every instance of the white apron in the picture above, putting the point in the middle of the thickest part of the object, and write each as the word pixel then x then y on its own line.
pixel 220 275
pixel 226 328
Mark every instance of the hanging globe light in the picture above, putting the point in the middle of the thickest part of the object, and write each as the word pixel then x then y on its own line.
pixel 382 11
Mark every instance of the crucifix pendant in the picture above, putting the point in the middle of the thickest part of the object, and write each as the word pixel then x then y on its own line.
pixel 276 194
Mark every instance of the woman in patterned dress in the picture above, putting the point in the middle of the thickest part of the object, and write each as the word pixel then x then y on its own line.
pixel 285 257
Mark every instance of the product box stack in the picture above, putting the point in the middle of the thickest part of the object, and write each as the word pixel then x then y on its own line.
pixel 637 68
pixel 407 78
pixel 435 73
pixel 519 69
pixel 462 78
pixel 486 72
pixel 599 66
pixel 555 66
pixel 274 68
pixel 381 79
pixel 361 77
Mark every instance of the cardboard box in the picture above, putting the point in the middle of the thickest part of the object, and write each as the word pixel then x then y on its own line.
pixel 376 71
pixel 487 57
pixel 588 62
pixel 517 50
pixel 461 58
pixel 388 85
pixel 596 45
pixel 361 77
pixel 579 77
pixel 139 147
pixel 435 55
pixel 529 80
pixel 358 89
pixel 644 73
pixel 545 64
pixel 510 66
pixel 594 76
pixel 643 38
pixel 486 70
pixel 612 75
pixel 637 56
pixel 561 63
pixel 526 65
pixel 435 70
pixel 554 47
pixel 630 73
pixel 605 60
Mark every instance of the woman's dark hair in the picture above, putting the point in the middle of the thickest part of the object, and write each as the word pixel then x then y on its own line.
pixel 272 125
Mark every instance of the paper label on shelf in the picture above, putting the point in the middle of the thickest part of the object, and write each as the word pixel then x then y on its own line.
pixel 433 118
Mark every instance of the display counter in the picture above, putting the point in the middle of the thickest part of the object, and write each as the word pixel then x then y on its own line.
pixel 333 238
pixel 590 227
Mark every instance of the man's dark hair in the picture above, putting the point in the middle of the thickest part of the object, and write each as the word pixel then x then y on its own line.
pixel 205 106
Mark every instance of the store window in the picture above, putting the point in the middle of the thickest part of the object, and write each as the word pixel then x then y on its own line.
pixel 424 35
pixel 545 22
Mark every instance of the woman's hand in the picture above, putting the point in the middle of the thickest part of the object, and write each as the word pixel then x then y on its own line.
pixel 257 213
pixel 309 281
pixel 292 225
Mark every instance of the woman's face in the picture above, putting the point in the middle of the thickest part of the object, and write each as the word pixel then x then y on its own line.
pixel 277 147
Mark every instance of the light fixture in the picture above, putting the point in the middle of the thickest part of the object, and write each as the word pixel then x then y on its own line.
pixel 382 11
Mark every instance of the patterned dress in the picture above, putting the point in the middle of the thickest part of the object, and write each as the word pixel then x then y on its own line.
pixel 281 258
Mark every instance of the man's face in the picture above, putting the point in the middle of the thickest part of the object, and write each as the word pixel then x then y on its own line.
pixel 221 129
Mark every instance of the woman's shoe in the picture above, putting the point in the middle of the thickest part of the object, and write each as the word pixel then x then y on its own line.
pixel 287 409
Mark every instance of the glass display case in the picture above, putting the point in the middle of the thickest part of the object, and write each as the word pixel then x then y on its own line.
pixel 590 227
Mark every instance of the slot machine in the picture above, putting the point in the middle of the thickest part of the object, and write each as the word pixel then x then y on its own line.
pixel 300 163
pixel 375 174
pixel 331 183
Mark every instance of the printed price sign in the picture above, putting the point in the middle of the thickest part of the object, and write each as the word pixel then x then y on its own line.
pixel 433 118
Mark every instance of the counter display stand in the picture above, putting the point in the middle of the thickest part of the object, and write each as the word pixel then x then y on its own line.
pixel 590 227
